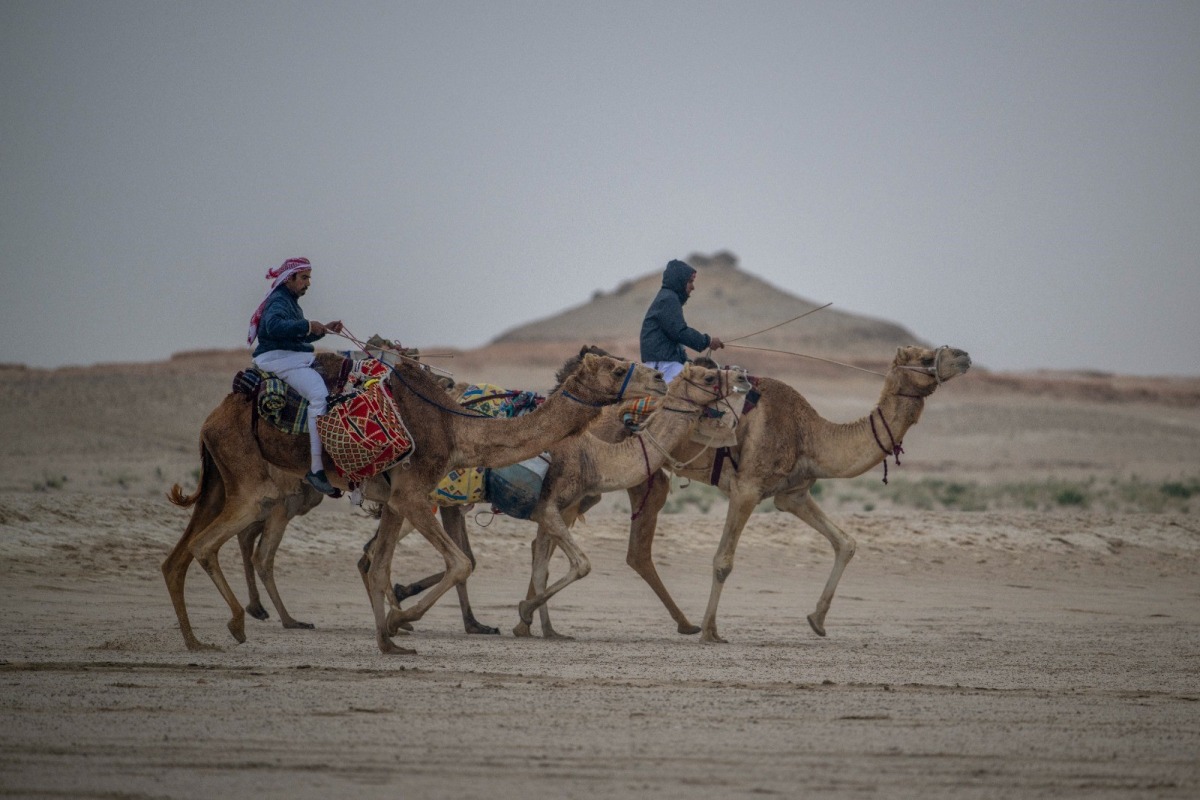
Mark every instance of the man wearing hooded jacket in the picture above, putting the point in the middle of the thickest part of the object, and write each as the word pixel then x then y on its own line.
pixel 664 330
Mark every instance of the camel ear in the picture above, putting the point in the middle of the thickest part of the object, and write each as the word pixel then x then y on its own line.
pixel 583 351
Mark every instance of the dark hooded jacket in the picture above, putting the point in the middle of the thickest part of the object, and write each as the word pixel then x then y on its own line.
pixel 664 331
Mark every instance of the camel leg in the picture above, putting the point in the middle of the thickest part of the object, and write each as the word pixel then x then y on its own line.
pixel 247 539
pixel 552 525
pixel 804 507
pixel 377 579
pixel 174 570
pixel 741 505
pixel 264 564
pixel 458 566
pixel 541 549
pixel 641 543
pixel 455 523
pixel 202 546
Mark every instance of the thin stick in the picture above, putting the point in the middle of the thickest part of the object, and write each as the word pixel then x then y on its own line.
pixel 346 334
pixel 814 358
pixel 781 324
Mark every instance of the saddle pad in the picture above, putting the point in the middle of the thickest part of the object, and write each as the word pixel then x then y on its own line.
pixel 281 405
pixel 461 487
pixel 363 433
pixel 496 401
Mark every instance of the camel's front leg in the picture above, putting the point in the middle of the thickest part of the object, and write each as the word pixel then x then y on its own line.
pixel 454 521
pixel 542 549
pixel 377 579
pixel 804 507
pixel 458 566
pixel 554 529
pixel 641 542
pixel 741 505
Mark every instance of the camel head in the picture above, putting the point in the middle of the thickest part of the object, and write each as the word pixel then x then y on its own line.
pixel 705 386
pixel 920 370
pixel 605 379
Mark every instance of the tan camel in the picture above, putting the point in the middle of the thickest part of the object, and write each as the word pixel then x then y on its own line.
pixel 587 465
pixel 784 446
pixel 446 437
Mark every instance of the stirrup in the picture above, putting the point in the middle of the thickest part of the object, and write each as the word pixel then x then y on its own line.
pixel 318 481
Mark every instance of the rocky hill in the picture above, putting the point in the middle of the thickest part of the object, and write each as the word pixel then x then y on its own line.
pixel 729 302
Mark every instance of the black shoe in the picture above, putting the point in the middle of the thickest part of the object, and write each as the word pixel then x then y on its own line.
pixel 318 481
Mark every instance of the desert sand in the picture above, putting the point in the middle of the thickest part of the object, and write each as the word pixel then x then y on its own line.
pixel 1008 651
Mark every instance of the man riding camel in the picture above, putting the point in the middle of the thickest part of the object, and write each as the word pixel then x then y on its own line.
pixel 664 330
pixel 285 348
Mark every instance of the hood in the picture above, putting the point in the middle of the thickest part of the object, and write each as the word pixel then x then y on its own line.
pixel 676 277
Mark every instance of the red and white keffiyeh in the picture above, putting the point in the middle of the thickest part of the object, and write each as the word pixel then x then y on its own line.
pixel 278 275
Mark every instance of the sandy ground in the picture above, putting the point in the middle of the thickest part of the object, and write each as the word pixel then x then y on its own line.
pixel 970 654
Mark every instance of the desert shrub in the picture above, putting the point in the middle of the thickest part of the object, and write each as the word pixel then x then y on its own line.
pixel 1070 496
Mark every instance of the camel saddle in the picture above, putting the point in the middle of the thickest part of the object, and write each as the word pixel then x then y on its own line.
pixel 364 434
pixel 285 408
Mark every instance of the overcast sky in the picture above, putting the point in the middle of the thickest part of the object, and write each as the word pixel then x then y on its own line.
pixel 1021 180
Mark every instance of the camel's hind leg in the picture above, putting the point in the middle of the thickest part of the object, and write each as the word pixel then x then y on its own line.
pixel 202 545
pixel 741 505
pixel 248 538
pixel 641 543
pixel 264 563
pixel 803 506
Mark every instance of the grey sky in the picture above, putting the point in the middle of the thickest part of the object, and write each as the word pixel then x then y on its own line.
pixel 1018 179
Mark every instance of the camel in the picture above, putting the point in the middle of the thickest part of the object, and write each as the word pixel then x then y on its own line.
pixel 783 447
pixel 586 465
pixel 447 437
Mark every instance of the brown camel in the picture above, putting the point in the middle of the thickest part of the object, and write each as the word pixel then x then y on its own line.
pixel 447 437
pixel 783 447
pixel 587 465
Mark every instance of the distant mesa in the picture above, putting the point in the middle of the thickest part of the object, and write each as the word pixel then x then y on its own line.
pixel 729 302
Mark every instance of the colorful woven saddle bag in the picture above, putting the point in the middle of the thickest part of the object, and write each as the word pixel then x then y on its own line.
pixel 363 433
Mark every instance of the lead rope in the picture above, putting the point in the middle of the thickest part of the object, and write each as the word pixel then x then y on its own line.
pixel 649 480
pixel 896 448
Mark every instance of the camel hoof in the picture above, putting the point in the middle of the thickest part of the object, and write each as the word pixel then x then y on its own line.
pixel 817 627
pixel 257 611
pixel 522 631
pixel 525 612
pixel 486 630
pixel 555 636
pixel 390 648
pixel 238 631
pixel 688 629
pixel 712 638
pixel 296 625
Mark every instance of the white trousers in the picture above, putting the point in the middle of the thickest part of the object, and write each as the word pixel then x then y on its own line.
pixel 296 371
pixel 669 369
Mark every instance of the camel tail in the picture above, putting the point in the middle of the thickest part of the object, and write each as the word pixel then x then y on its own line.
pixel 207 473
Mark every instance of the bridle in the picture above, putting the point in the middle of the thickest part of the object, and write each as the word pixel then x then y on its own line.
pixel 620 394
pixel 935 370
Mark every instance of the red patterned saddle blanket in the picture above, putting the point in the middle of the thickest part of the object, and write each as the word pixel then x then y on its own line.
pixel 364 434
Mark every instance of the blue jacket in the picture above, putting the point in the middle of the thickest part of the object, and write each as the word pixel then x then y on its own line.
pixel 283 326
pixel 664 330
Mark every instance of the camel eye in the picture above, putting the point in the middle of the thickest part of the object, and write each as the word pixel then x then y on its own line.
pixel 927 361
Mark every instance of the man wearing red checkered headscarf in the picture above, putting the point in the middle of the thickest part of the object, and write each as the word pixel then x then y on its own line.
pixel 285 348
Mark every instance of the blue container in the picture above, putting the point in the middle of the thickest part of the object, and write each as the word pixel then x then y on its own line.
pixel 514 490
